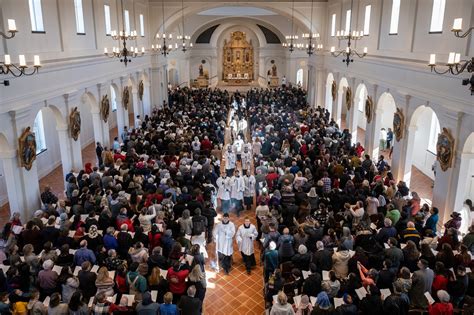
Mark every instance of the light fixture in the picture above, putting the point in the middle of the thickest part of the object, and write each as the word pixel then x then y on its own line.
pixel 163 48
pixel 184 38
pixel 124 54
pixel 350 36
pixel 7 67
pixel 457 29
pixel 11 29
pixel 310 46
pixel 455 65
pixel 291 38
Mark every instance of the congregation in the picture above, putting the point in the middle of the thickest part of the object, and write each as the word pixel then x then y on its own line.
pixel 337 233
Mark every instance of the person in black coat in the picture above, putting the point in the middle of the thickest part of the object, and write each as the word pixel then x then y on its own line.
pixel 372 303
pixel 87 281
pixel 190 305
pixel 323 257
pixel 124 241
pixel 312 284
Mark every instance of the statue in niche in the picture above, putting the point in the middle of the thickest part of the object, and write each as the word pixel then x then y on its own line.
pixel 398 124
pixel 237 56
pixel 125 98
pixel 348 98
pixel 333 90
pixel 369 105
pixel 247 57
pixel 274 70
pixel 27 148
pixel 445 149
pixel 201 70
pixel 75 124
pixel 105 108
pixel 141 89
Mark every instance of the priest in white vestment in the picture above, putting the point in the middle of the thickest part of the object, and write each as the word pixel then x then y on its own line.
pixel 237 191
pixel 223 192
pixel 223 236
pixel 246 235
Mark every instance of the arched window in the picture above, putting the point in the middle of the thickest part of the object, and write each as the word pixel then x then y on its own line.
pixel 299 77
pixel 113 99
pixel 38 129
pixel 434 132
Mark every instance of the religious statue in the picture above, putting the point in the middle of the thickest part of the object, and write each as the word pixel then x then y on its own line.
pixel 333 90
pixel 125 98
pixel 237 58
pixel 27 148
pixel 348 98
pixel 274 70
pixel 445 149
pixel 75 124
pixel 105 107
pixel 398 124
pixel 141 89
pixel 201 70
pixel 369 105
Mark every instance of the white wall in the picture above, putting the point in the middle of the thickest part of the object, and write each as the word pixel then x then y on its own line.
pixel 423 159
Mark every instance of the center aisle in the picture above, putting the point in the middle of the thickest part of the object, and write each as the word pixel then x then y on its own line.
pixel 238 292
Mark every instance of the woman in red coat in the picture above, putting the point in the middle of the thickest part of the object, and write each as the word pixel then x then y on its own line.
pixel 443 307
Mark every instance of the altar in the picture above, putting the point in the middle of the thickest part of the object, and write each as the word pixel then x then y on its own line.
pixel 238 60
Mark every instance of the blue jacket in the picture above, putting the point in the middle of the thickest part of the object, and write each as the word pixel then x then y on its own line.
pixel 82 255
pixel 110 242
pixel 168 309
pixel 431 222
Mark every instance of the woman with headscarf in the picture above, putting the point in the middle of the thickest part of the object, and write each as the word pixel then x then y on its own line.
pixel 313 199
pixel 93 238
pixel 323 305
pixel 304 307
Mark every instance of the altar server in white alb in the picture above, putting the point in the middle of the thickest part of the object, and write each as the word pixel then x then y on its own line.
pixel 230 160
pixel 249 191
pixel 246 235
pixel 223 192
pixel 246 158
pixel 223 236
pixel 237 191
pixel 238 147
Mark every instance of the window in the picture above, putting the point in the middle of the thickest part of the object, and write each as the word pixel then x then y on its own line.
pixel 299 77
pixel 437 16
pixel 113 99
pixel 108 27
pixel 367 19
pixel 434 131
pixel 395 17
pixel 38 129
pixel 126 17
pixel 79 17
pixel 142 26
pixel 333 25
pixel 36 16
pixel 348 21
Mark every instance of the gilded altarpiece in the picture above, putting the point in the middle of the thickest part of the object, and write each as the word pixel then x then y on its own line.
pixel 238 59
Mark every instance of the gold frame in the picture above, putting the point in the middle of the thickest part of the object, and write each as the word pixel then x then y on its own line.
pixel 27 148
pixel 398 124
pixel 369 106
pixel 75 124
pixel 105 107
pixel 445 149
pixel 125 97
pixel 348 98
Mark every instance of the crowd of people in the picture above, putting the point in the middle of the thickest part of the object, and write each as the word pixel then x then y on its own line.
pixel 337 233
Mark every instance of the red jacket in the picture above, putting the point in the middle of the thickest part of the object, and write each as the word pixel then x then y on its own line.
pixel 440 309
pixel 154 240
pixel 206 145
pixel 177 280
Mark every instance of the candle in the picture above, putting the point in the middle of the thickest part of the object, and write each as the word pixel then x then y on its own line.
pixel 191 45
pixel 347 49
pixel 457 25
pixel 333 49
pixel 143 49
pixel 457 58
pixel 365 50
pixel 22 61
pixel 432 59
pixel 105 50
pixel 451 58
pixel 7 60
pixel 36 61
pixel 11 25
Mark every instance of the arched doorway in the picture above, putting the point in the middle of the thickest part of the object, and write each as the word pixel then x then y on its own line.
pixel 299 77
pixel 385 110
pixel 358 119
pixel 337 116
pixel 423 130
pixel 328 102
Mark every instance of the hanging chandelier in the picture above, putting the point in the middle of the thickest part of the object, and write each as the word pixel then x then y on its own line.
pixel 350 36
pixel 310 37
pixel 8 68
pixel 124 54
pixel 164 48
pixel 184 38
pixel 455 65
pixel 292 38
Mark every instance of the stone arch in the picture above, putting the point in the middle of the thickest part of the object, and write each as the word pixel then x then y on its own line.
pixel 328 102
pixel 90 99
pixel 337 111
pixel 4 145
pixel 383 118
pixel 465 187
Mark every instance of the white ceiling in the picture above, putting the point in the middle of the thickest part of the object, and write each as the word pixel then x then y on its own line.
pixel 236 11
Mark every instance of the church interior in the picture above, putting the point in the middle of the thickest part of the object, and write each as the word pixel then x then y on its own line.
pixel 395 75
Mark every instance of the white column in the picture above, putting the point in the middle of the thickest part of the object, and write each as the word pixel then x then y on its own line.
pixel 14 188
pixel 97 125
pixel 66 158
pixel 319 99
pixel 121 113
pixel 71 100
pixel 146 98
pixel 352 121
pixel 329 101
pixel 403 158
pixel 136 106
pixel 337 112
